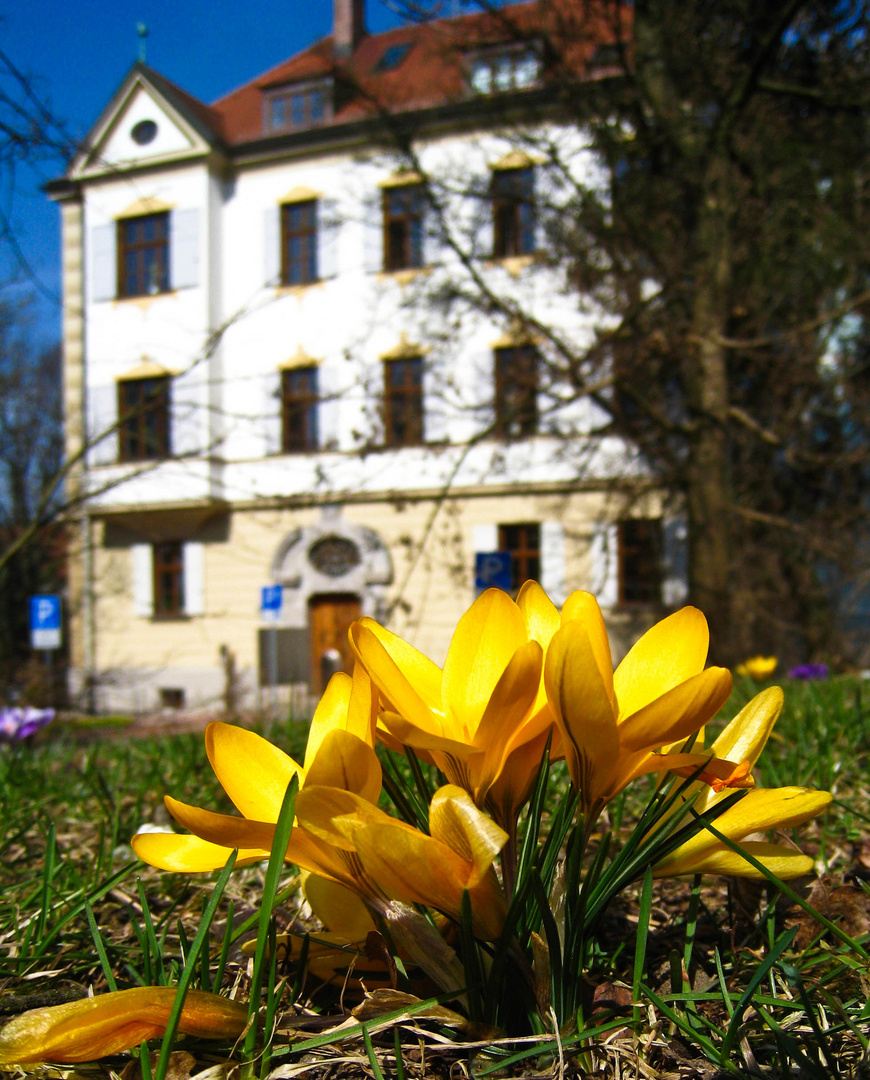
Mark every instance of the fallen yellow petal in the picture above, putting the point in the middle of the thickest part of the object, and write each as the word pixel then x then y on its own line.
pixel 95 1027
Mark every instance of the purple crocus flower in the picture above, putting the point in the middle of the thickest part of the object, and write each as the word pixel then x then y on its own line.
pixel 809 671
pixel 18 723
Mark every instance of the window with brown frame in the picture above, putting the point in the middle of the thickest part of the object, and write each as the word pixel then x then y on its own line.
pixel 169 578
pixel 292 108
pixel 299 242
pixel 523 541
pixel 503 69
pixel 640 561
pixel 300 401
pixel 143 411
pixel 143 255
pixel 403 401
pixel 516 391
pixel 403 227
pixel 513 212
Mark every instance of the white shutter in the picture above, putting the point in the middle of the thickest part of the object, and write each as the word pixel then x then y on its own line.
pixel 604 569
pixel 143 580
pixel 271 413
pixel 551 199
pixel 187 418
pixel 435 246
pixel 373 239
pixel 485 538
pixel 194 578
pixel 553 561
pixel 329 391
pixel 102 420
pixel 675 559
pixel 184 248
pixel 482 228
pixel 272 246
pixel 328 228
pixel 104 262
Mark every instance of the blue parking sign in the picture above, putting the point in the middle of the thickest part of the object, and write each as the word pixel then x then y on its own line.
pixel 492 570
pixel 271 599
pixel 45 621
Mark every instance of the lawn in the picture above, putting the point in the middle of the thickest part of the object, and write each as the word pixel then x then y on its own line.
pixel 724 976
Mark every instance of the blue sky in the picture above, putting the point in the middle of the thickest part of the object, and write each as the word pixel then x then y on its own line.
pixel 77 52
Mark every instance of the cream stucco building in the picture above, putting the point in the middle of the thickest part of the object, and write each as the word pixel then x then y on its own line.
pixel 265 392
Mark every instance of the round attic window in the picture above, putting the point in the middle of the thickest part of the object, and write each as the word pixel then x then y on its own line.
pixel 144 132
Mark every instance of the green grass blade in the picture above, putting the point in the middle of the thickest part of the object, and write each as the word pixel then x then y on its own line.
pixel 470 961
pixel 723 986
pixel 783 887
pixel 272 997
pixel 190 968
pixel 283 829
pixel 154 950
pixel 400 1061
pixel 48 872
pixel 783 942
pixel 370 1051
pixel 640 942
pixel 225 948
pixel 695 1036
pixel 101 949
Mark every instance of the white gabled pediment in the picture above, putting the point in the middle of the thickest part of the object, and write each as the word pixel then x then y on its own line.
pixel 140 126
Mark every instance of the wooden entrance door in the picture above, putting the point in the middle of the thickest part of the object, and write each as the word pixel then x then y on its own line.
pixel 328 620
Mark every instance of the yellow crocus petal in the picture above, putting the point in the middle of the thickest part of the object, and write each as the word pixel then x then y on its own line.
pixel 223 829
pixel 252 771
pixel 745 737
pixel 511 703
pixel 347 704
pixel 345 761
pixel 330 713
pixel 514 783
pixel 708 769
pixel 539 612
pixel 340 910
pixel 783 861
pixel 215 835
pixel 418 869
pixel 582 607
pixel 406 695
pixel 188 854
pixel 678 712
pixel 583 711
pixel 485 640
pixel 416 668
pixel 331 815
pixel 758 810
pixel 406 733
pixel 362 709
pixel 670 652
pixel 92 1028
pixel 457 822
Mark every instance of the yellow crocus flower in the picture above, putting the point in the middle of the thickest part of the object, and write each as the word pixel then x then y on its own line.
pixel 410 866
pixel 483 719
pixel 757 811
pixel 255 774
pixel 613 722
pixel 757 667
pixel 92 1028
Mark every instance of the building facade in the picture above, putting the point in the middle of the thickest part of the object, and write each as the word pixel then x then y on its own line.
pixel 266 387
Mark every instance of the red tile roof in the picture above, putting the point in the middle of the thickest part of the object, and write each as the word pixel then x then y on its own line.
pixel 432 72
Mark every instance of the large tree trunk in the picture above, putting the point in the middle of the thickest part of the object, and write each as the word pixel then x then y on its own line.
pixel 708 480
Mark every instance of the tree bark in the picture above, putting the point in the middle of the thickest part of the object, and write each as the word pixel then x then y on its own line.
pixel 708 479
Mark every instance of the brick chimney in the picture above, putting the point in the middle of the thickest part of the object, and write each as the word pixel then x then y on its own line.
pixel 349 26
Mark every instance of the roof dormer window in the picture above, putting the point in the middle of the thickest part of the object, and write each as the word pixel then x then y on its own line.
pixel 507 68
pixel 293 108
